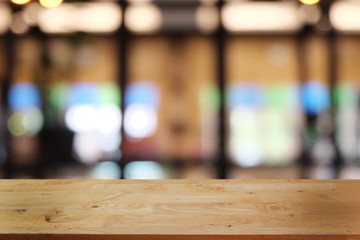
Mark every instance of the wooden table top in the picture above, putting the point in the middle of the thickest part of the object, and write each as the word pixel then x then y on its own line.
pixel 179 209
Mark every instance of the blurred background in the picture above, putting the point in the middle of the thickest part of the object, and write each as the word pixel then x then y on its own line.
pixel 138 89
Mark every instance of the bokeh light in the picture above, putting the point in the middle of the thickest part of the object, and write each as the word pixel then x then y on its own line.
pixel 344 16
pixel 309 2
pixel 143 93
pixel 28 122
pixel 84 93
pixel 245 147
pixel 93 17
pixel 345 95
pixel 207 18
pixel 33 121
pixel 140 118
pixel 80 118
pixel 20 2
pixel 110 93
pixel 250 95
pixel 140 121
pixel 92 146
pixel 108 119
pixel 86 145
pixel 84 117
pixel 5 17
pixel 143 18
pixel 110 142
pixel 275 16
pixel 23 96
pixel 280 96
pixel 106 170
pixel 15 124
pixel 18 24
pixel 58 94
pixel 209 98
pixel 315 97
pixel 144 170
pixel 50 3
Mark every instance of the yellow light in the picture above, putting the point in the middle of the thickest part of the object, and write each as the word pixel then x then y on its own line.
pixel 143 18
pixel 309 2
pixel 20 2
pixel 50 3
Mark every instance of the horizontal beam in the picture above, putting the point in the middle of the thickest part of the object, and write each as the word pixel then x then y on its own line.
pixel 180 209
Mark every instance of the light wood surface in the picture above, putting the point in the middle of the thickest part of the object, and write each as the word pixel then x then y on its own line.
pixel 179 209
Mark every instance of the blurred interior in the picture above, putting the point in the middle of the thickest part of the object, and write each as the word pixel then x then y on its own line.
pixel 141 89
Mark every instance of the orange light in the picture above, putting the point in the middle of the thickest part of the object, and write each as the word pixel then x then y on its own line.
pixel 50 3
pixel 20 2
pixel 309 2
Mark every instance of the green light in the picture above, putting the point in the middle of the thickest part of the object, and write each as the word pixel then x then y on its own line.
pixel 110 93
pixel 209 98
pixel 32 121
pixel 277 96
pixel 58 95
pixel 16 124
pixel 345 95
pixel 29 122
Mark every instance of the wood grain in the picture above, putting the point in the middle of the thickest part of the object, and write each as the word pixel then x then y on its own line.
pixel 179 209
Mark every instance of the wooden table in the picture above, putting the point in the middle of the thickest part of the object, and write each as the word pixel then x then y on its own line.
pixel 179 209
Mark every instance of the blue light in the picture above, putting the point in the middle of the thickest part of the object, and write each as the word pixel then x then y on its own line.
pixel 23 96
pixel 244 94
pixel 144 170
pixel 142 92
pixel 315 97
pixel 84 93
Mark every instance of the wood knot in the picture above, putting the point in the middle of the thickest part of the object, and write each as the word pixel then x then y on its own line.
pixel 47 218
pixel 229 225
pixel 275 208
pixel 94 206
pixel 21 210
